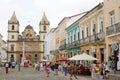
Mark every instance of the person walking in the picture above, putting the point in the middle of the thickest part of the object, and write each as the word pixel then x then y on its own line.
pixel 19 66
pixel 92 71
pixel 73 71
pixel 97 71
pixel 13 64
pixel 65 68
pixel 56 68
pixel 6 67
pixel 106 70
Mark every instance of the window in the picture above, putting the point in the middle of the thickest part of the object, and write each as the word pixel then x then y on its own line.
pixel 68 40
pixel 74 37
pixel 78 35
pixel 82 34
pixel 112 17
pixel 93 27
pixel 35 55
pixel 12 56
pixel 12 36
pixel 100 21
pixel 20 48
pixel 12 47
pixel 87 31
pixel 13 27
pixel 71 39
pixel 44 28
pixel 44 37
pixel 43 48
pixel 101 30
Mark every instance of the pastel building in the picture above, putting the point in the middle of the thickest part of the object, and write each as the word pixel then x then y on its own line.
pixel 112 24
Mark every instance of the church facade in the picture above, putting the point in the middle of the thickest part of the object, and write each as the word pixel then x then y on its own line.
pixel 28 43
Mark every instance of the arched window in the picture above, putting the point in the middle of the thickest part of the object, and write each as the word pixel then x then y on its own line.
pixel 35 55
pixel 44 28
pixel 93 27
pixel 13 27
pixel 100 24
pixel 12 47
pixel 43 47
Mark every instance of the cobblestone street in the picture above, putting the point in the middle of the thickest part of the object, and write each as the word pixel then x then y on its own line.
pixel 31 74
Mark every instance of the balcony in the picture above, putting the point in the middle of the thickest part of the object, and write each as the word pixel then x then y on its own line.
pixel 73 44
pixel 54 51
pixel 93 38
pixel 62 47
pixel 113 29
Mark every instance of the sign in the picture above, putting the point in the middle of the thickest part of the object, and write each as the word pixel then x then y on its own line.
pixel 114 47
pixel 93 48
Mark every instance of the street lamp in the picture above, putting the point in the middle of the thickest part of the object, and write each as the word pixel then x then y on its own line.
pixel 23 57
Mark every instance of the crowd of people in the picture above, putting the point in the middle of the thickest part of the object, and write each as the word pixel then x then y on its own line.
pixel 96 70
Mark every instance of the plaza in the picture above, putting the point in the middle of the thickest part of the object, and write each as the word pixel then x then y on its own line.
pixel 31 74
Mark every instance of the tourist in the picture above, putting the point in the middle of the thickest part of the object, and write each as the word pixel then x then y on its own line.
pixel 6 67
pixel 106 70
pixel 56 68
pixel 65 68
pixel 19 66
pixel 73 72
pixel 97 71
pixel 13 64
pixel 92 71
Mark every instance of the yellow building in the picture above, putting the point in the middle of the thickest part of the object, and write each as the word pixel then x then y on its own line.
pixel 92 39
pixel 112 24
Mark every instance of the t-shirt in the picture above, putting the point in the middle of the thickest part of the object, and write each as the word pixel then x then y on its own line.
pixel 97 70
pixel 56 66
pixel 6 65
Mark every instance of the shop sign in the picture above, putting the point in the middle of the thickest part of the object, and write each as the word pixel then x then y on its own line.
pixel 114 47
pixel 93 48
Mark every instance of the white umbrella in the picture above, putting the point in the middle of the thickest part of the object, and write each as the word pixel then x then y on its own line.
pixel 45 60
pixel 83 56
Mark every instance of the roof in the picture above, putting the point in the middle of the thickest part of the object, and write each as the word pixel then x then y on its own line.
pixel 74 18
pixel 28 27
pixel 44 19
pixel 13 19
pixel 82 15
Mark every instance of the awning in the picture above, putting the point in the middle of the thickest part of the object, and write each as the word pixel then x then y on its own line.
pixel 62 59
pixel 83 56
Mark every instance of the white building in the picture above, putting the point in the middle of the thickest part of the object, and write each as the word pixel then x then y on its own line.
pixel 3 48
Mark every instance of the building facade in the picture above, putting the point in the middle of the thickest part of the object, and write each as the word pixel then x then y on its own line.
pixel 112 24
pixel 3 49
pixel 29 43
pixel 92 36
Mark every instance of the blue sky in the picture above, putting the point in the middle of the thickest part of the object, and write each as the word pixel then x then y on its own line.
pixel 31 11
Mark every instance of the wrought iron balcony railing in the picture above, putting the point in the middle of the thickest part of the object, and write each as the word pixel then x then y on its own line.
pixel 62 47
pixel 113 29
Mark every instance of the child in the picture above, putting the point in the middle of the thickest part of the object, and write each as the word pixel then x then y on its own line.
pixel 47 72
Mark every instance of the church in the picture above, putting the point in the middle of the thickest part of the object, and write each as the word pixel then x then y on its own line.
pixel 28 44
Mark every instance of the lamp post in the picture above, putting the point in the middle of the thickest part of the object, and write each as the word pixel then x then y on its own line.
pixel 23 55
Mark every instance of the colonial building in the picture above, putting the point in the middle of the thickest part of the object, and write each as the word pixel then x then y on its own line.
pixel 3 48
pixel 28 42
pixel 112 24
pixel 92 39
pixel 73 35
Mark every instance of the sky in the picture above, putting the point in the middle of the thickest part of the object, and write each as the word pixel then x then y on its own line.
pixel 31 11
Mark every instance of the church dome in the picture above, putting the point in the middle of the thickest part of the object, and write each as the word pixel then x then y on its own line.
pixel 29 27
